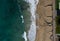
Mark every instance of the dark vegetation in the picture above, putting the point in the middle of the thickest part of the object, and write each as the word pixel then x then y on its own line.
pixel 57 17
pixel 58 24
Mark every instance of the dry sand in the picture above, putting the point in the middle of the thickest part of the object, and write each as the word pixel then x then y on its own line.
pixel 44 21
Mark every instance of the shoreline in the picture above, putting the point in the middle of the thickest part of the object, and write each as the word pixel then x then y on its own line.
pixel 32 30
pixel 31 33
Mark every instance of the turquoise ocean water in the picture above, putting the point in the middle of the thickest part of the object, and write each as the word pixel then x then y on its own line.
pixel 11 26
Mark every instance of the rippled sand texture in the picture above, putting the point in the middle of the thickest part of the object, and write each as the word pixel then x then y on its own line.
pixel 45 21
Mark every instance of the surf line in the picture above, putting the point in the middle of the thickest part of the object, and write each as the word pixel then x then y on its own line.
pixel 32 30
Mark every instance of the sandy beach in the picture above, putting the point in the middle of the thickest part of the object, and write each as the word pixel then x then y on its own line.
pixel 44 20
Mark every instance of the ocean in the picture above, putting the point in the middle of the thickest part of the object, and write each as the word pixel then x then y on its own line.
pixel 17 20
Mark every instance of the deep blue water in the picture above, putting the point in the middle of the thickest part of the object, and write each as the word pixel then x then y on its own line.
pixel 11 26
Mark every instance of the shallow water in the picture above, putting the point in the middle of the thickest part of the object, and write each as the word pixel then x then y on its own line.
pixel 18 20
pixel 11 23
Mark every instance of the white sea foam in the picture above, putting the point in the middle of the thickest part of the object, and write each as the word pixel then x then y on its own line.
pixel 22 18
pixel 32 31
pixel 24 36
